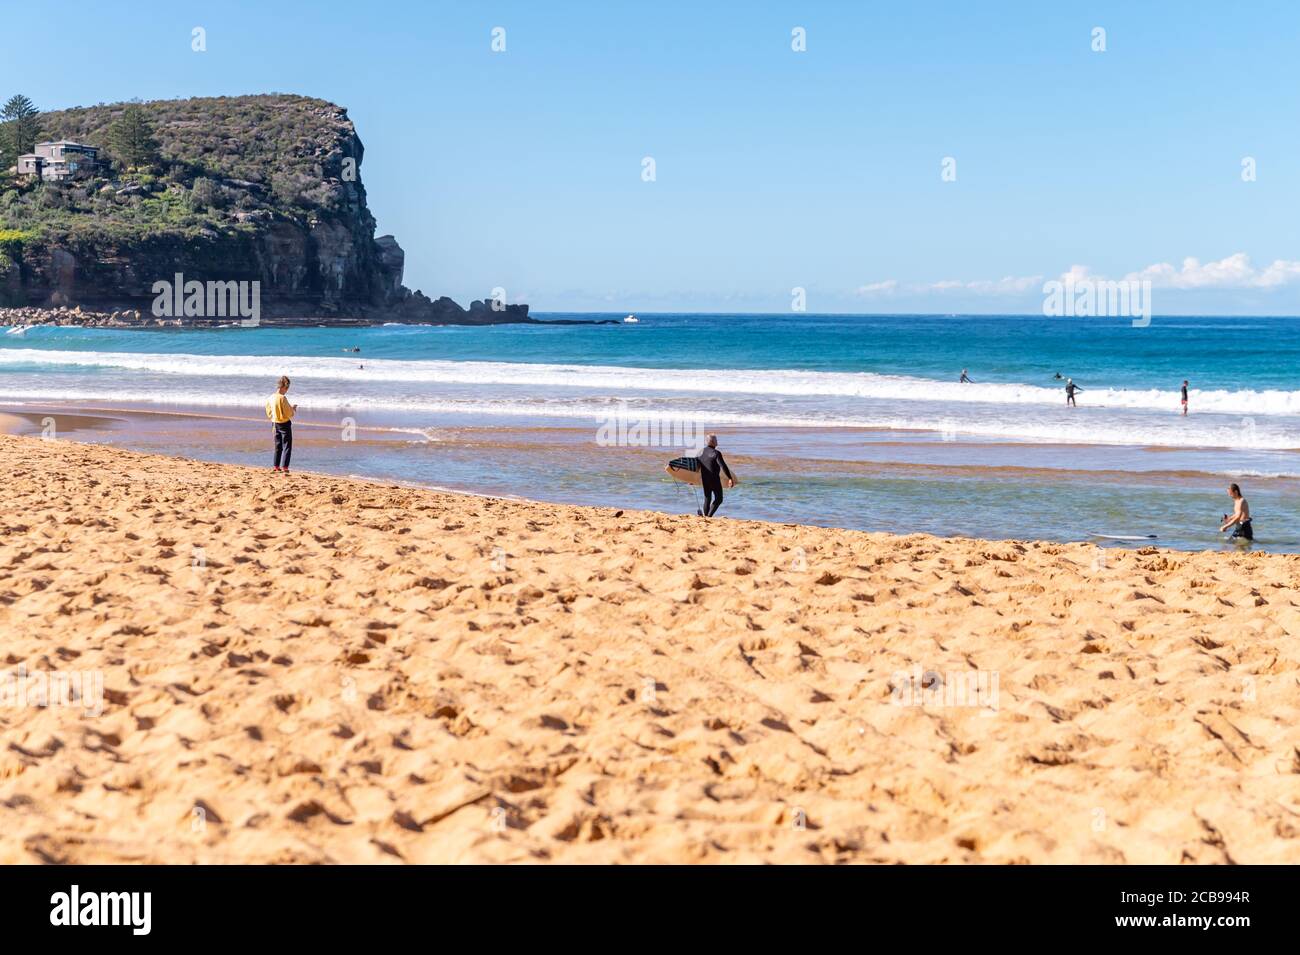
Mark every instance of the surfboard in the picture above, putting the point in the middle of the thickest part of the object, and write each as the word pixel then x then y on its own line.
pixel 1124 537
pixel 687 470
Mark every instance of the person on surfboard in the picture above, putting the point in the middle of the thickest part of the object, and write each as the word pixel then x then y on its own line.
pixel 1240 516
pixel 712 467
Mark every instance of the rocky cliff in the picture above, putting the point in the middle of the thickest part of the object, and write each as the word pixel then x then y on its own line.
pixel 243 189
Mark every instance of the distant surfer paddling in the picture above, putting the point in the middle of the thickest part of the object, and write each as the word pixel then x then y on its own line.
pixel 712 467
pixel 1240 519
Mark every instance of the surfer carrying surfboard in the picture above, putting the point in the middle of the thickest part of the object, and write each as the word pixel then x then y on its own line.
pixel 712 467
pixel 1240 516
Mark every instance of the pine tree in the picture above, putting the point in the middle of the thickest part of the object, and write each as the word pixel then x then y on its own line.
pixel 20 127
pixel 131 138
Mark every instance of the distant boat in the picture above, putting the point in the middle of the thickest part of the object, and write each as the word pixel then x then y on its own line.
pixel 631 319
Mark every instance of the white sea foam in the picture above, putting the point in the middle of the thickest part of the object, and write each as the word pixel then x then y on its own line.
pixel 614 380
pixel 1049 426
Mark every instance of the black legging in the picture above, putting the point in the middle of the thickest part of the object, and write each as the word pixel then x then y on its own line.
pixel 283 443
pixel 712 494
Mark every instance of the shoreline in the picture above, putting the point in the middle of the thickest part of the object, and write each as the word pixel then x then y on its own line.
pixel 536 462
pixel 248 415
pixel 334 670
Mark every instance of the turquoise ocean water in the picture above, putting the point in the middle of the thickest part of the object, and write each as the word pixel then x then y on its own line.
pixel 854 421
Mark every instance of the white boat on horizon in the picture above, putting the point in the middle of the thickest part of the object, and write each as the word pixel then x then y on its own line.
pixel 631 320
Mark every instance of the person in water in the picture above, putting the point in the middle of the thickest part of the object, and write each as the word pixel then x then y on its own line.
pixel 1240 516
pixel 712 467
pixel 1184 397
pixel 1058 376
pixel 965 378
pixel 1070 389
pixel 280 412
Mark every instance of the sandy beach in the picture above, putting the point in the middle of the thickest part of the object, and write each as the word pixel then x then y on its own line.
pixel 314 669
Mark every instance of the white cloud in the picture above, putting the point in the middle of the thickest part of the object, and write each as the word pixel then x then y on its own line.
pixel 1235 271
pixel 875 288
pixel 1007 285
pixel 1076 273
pixel 1232 272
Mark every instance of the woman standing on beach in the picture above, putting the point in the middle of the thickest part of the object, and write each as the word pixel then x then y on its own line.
pixel 280 412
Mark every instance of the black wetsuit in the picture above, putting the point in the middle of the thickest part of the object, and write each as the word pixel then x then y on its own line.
pixel 712 467
pixel 1243 530
pixel 1070 389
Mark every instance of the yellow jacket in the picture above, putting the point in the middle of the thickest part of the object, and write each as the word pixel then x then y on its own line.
pixel 278 408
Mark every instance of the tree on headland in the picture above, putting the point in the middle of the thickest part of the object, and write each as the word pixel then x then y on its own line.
pixel 20 127
pixel 131 138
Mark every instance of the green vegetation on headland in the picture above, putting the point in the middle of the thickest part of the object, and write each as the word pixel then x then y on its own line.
pixel 263 189
pixel 182 167
pixel 11 244
pixel 20 127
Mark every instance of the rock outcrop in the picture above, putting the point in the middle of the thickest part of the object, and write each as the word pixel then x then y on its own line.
pixel 260 189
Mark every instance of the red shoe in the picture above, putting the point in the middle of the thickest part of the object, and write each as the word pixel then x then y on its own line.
pixel 276 468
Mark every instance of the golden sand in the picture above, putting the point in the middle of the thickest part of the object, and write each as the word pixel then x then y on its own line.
pixel 311 669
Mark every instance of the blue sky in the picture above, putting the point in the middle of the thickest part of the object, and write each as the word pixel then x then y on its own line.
pixel 775 169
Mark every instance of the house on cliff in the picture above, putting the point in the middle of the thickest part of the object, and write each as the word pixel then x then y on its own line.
pixel 57 161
